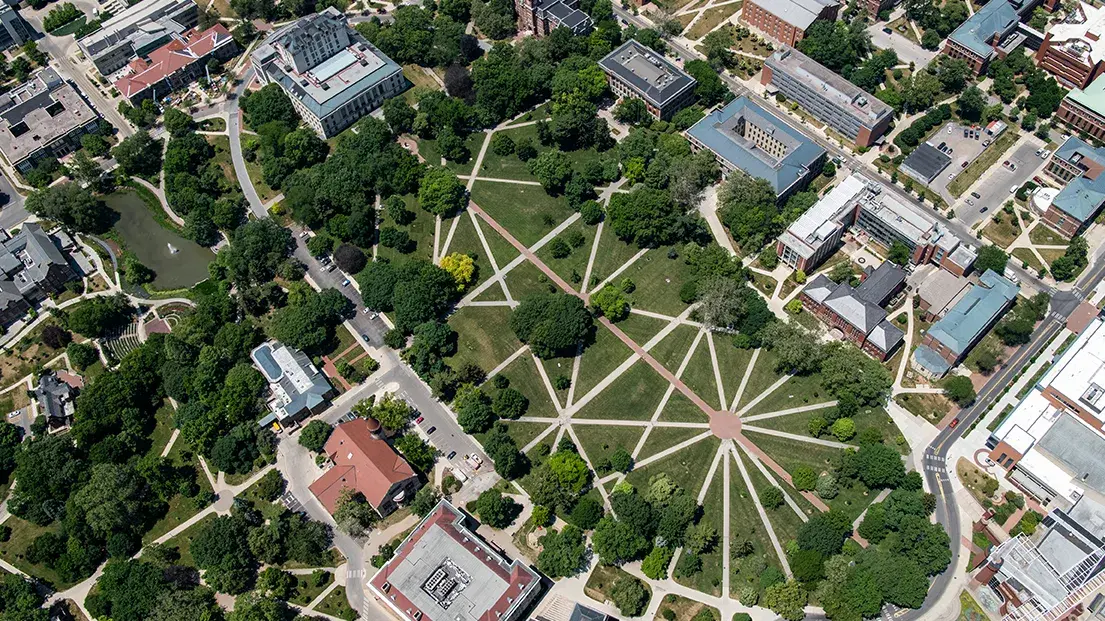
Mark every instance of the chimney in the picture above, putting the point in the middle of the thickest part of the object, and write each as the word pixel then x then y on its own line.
pixel 373 427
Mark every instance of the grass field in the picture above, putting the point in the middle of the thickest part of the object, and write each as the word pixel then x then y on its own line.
pixel 526 280
pixel 1041 234
pixel 663 438
pixel 681 409
pixel 658 281
pixel 571 267
pixel 710 19
pixel 641 328
pixel 484 337
pixel 699 375
pixel 673 348
pixel 762 376
pixel 420 230
pixel 783 518
pixel 601 443
pixel 732 363
pixel 429 150
pixel 602 580
pixel 466 241
pixel 599 359
pixel 709 579
pixel 1027 256
pixel 790 455
pixel 687 467
pixel 633 396
pixel 523 432
pixel 1004 231
pixel 306 591
pixel 13 550
pixel 745 524
pixel 527 211
pixel 612 254
pixel 523 377
pixel 337 605
pixel 798 391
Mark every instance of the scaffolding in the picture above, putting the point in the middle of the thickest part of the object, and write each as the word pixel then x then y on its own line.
pixel 1051 593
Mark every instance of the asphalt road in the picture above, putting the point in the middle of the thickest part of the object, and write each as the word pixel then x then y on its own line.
pixel 12 213
pixel 448 436
pixel 995 191
pixel 907 50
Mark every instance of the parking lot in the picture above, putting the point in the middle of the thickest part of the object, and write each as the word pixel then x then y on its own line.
pixel 963 151
pixel 994 193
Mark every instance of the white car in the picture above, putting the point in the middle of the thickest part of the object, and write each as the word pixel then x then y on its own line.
pixel 1046 154
pixel 1012 189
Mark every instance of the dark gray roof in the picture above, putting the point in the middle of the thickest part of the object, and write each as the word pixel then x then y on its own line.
pixel 886 336
pixel 881 283
pixel 1078 449
pixel 53 395
pixel 926 162
pixel 819 288
pixel 566 15
pixel 647 71
pixel 856 311
pixel 583 613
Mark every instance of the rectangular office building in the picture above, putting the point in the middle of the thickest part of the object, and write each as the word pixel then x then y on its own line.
pixel 634 70
pixel 41 118
pixel 830 98
pixel 137 31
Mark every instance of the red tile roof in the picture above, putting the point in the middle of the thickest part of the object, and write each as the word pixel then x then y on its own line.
pixel 362 463
pixel 172 57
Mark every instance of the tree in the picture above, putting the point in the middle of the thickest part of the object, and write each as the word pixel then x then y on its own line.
pixel 771 498
pixel 72 206
pixel 138 154
pixel 551 324
pixel 972 103
pixel 843 428
pixel 178 122
pixel 256 251
pixel 128 590
pixel 647 217
pixel 418 453
pixel 96 317
pixel 350 258
pixel 269 104
pixel 425 500
pixel 960 389
pixel 461 267
pixel 186 605
pixel 878 466
pixel 353 515
pixel 441 193
pixel 701 538
pixel 509 403
pixel 804 478
pixel 271 486
pixel 393 414
pixel 570 471
pixel 656 563
pixel 586 513
pixel 899 253
pixel 991 257
pixel 562 553
pixel 496 510
pixel 631 110
pixel 82 355
pixel 621 460
pixel 611 302
pixel 617 542
pixel 474 411
pixel 629 595
pixel 314 435
pixel 710 89
pixel 835 44
pixel 221 548
pixel 399 115
pixel 553 169
pixel 1073 261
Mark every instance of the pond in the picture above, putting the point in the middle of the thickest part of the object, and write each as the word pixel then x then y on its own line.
pixel 149 241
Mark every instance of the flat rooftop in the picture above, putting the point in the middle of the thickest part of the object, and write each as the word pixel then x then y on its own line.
pixel 446 572
pixel 798 13
pixel 1080 373
pixel 828 84
pixel 926 162
pixel 38 112
pixel 650 74
pixel 896 215
pixel 140 20
pixel 819 222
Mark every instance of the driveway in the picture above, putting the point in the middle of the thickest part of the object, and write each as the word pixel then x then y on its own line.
pixel 995 190
pixel 908 51
pixel 13 213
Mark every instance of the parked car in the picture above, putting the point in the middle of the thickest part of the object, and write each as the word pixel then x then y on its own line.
pixel 330 268
pixel 431 430
pixel 888 31
pixel 1046 154
pixel 975 194
pixel 984 210
pixel 451 455
pixel 345 283
pixel 964 164
pixel 970 202
pixel 1012 189
pixel 418 421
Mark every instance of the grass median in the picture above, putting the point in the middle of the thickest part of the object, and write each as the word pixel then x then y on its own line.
pixel 982 163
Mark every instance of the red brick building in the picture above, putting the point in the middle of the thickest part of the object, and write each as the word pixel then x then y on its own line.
pixel 787 21
pixel 543 16
pixel 990 33
pixel 858 313
pixel 1079 166
pixel 1073 51
pixel 365 463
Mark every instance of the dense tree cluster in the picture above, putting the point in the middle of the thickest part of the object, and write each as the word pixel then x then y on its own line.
pixel 416 35
pixel 911 136
pixel 1043 93
pixel 552 324
pixel 938 20
pixel 73 207
pixel 749 209
pixel 198 190
pixel 1071 263
pixel 1017 325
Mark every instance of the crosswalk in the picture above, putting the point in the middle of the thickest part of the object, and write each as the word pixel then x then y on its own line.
pixel 934 463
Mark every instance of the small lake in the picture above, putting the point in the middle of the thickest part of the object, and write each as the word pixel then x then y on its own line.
pixel 149 241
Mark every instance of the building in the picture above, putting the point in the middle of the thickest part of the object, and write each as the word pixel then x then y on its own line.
pixel 443 571
pixel 992 32
pixel 745 137
pixel 1054 572
pixel 1078 166
pixel 178 63
pixel 1053 448
pixel 56 400
pixel 544 16
pixel 43 118
pixel 949 340
pixel 332 74
pixel 1070 50
pixel 137 31
pixel 32 268
pixel 858 313
pixel 815 235
pixel 888 220
pixel 787 21
pixel 297 387
pixel 875 7
pixel 14 30
pixel 633 70
pixel 939 291
pixel 364 462
pixel 1084 109
pixel 830 98
pixel 925 163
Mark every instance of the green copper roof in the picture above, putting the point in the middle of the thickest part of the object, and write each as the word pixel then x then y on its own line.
pixel 1092 98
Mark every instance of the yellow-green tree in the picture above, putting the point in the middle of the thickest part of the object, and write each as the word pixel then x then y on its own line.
pixel 461 268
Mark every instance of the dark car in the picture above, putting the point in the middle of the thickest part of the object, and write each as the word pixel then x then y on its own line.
pixel 4 198
pixel 451 455
pixel 888 31
pixel 975 194
pixel 431 430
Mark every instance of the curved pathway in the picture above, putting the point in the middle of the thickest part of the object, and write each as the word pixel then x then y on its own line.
pixel 234 129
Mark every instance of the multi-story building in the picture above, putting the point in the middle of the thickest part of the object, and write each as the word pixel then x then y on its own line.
pixel 992 32
pixel 176 64
pixel 745 137
pixel 1084 109
pixel 43 117
pixel 297 388
pixel 830 98
pixel 33 266
pixel 1072 50
pixel 14 30
pixel 332 74
pixel 544 16
pixel 815 235
pixel 1078 166
pixel 858 312
pixel 874 7
pixel 787 21
pixel 360 460
pixel 634 70
pixel 137 31
pixel 444 571
pixel 889 220
pixel 949 340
